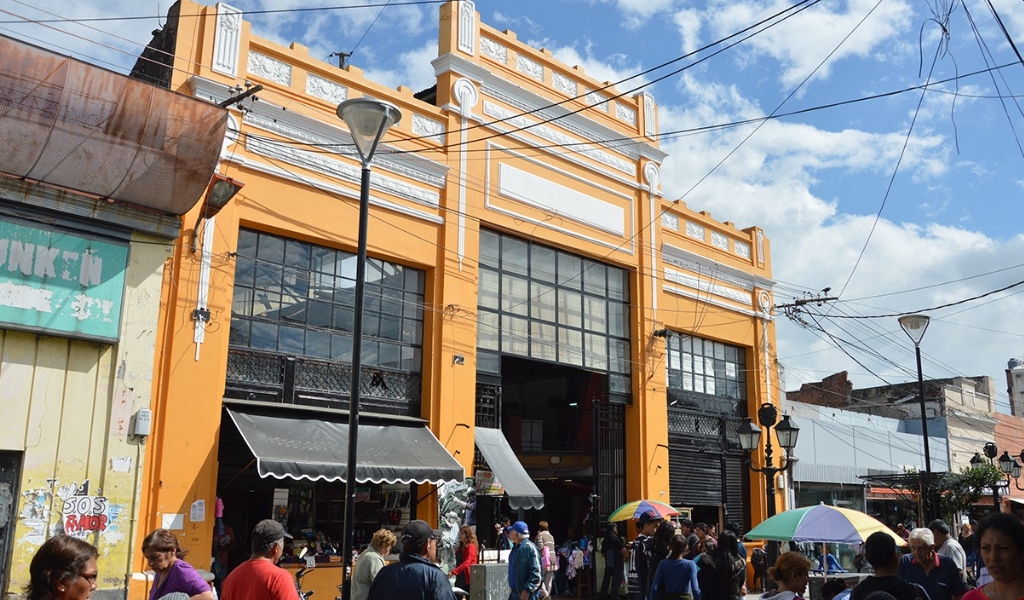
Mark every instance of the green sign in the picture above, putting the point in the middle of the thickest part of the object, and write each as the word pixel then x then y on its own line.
pixel 59 282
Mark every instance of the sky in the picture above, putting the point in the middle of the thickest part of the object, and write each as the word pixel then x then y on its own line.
pixel 890 171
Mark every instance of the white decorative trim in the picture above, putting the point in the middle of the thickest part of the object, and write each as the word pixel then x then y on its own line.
pixel 493 50
pixel 524 100
pixel 597 100
pixel 231 135
pixel 325 89
pixel 696 263
pixel 423 171
pixel 720 241
pixel 628 247
pixel 466 95
pixel 467 27
pixel 428 128
pixel 652 175
pixel 705 299
pixel 320 163
pixel 708 286
pixel 625 113
pixel 266 67
pixel 669 220
pixel 333 189
pixel 530 67
pixel 650 116
pixel 760 247
pixel 742 249
pixel 695 230
pixel 297 127
pixel 560 200
pixel 557 137
pixel 564 83
pixel 227 40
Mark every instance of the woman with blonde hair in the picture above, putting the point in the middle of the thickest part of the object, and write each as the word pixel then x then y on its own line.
pixel 466 554
pixel 370 561
pixel 171 573
pixel 790 572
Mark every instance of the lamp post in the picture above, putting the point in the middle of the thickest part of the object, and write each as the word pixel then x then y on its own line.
pixel 750 436
pixel 915 326
pixel 1014 469
pixel 367 120
pixel 991 450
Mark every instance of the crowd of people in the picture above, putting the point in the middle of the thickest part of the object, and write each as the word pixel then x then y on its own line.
pixel 661 563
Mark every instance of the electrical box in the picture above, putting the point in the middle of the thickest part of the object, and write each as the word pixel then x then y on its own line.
pixel 143 422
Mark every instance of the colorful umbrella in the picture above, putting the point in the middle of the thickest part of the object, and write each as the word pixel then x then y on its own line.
pixel 821 523
pixel 633 510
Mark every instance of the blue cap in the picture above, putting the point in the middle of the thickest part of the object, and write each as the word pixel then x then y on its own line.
pixel 518 527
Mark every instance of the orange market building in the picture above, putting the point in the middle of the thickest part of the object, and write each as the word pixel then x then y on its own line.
pixel 525 275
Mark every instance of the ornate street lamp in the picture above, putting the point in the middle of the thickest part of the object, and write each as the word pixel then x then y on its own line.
pixel 787 433
pixel 915 326
pixel 991 451
pixel 367 120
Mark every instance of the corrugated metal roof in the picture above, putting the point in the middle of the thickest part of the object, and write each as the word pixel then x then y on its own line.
pixel 80 127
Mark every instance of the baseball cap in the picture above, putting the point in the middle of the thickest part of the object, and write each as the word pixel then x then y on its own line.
pixel 269 531
pixel 416 534
pixel 519 527
pixel 647 517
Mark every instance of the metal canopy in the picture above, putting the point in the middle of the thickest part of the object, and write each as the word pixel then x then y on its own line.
pixel 521 490
pixel 79 127
pixel 313 449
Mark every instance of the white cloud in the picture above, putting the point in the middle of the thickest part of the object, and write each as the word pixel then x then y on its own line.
pixel 638 12
pixel 770 180
pixel 688 23
pixel 415 70
pixel 801 42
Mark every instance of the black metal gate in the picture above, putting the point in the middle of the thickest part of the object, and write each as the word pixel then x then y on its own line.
pixel 610 454
pixel 706 464
pixel 10 475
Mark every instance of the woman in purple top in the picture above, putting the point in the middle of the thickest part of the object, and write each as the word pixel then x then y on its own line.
pixel 171 573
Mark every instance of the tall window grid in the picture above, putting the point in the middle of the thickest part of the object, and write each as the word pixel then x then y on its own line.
pixel 296 298
pixel 539 302
pixel 706 367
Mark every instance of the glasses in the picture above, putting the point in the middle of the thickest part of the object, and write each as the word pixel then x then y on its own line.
pixel 914 548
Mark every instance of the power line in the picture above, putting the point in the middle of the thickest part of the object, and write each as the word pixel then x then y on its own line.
pixel 244 12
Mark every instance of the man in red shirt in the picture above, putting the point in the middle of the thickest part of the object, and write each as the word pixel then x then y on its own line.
pixel 259 578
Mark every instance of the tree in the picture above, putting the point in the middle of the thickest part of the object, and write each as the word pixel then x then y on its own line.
pixel 959 491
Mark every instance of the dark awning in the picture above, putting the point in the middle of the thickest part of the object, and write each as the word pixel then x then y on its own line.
pixel 313 449
pixel 522 491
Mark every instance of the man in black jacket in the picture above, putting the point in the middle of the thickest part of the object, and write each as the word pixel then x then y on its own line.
pixel 414 576
pixel 611 548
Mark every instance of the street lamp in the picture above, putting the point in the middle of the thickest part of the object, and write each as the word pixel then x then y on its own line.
pixel 367 120
pixel 991 450
pixel 750 435
pixel 915 326
pixel 1014 469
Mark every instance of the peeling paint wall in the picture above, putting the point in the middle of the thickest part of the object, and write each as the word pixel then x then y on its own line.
pixel 68 407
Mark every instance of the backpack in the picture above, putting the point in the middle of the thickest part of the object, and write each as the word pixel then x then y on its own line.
pixel 759 558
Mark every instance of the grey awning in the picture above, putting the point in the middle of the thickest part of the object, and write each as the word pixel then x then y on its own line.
pixel 522 491
pixel 313 449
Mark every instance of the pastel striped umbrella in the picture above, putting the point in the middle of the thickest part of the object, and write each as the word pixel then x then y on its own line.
pixel 821 523
pixel 633 510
